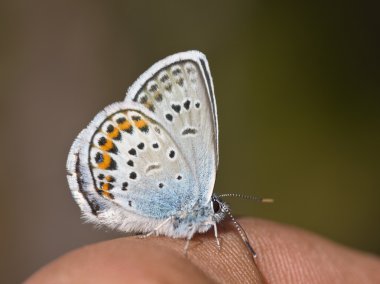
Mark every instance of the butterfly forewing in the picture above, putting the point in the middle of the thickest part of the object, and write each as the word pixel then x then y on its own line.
pixel 178 97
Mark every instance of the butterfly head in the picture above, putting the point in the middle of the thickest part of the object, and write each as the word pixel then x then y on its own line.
pixel 219 208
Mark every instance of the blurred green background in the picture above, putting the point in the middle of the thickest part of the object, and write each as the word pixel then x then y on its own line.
pixel 297 88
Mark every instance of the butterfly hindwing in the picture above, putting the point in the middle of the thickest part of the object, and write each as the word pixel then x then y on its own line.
pixel 135 164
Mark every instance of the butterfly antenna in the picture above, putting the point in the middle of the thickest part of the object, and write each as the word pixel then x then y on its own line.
pixel 242 233
pixel 254 198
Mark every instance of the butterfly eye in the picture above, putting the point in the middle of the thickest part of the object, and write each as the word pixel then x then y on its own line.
pixel 216 206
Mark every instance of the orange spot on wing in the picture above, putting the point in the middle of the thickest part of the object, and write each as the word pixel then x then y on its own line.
pixel 125 125
pixel 107 194
pixel 115 133
pixel 141 123
pixel 106 161
pixel 108 146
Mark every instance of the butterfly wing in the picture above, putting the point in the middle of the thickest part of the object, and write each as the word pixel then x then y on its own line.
pixel 178 93
pixel 153 155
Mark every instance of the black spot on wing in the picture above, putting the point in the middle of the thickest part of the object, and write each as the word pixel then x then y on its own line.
pixel 155 145
pixel 113 165
pixel 121 120
pixel 143 99
pixel 110 128
pixel 176 108
pixel 99 158
pixel 157 130
pixel 153 88
pixel 189 131
pixel 186 105
pixel 171 154
pixel 176 71
pixel 180 82
pixel 141 146
pixel 164 78
pixel 169 117
pixel 152 167
pixel 102 140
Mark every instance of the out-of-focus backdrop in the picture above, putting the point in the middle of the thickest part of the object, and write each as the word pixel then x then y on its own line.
pixel 297 88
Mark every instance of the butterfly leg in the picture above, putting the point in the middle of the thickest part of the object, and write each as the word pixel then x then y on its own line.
pixel 217 239
pixel 185 249
pixel 189 237
pixel 157 228
pixel 216 235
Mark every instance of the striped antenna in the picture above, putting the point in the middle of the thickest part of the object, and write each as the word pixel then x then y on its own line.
pixel 242 233
pixel 254 198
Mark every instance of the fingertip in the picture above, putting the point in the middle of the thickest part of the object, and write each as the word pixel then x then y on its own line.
pixel 284 254
pixel 287 254
pixel 120 261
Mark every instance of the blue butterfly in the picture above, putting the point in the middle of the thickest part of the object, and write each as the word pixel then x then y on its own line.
pixel 148 164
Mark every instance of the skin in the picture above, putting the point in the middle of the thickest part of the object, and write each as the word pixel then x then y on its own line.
pixel 285 255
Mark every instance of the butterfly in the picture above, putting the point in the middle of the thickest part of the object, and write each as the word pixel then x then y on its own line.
pixel 147 165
